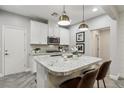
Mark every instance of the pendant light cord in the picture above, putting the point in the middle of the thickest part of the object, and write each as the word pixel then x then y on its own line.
pixel 83 13
pixel 64 9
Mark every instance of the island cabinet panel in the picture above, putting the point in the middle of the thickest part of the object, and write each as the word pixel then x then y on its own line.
pixel 33 64
pixel 39 32
pixel 64 36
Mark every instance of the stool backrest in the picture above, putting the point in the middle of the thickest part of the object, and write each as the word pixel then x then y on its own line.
pixel 103 70
pixel 88 80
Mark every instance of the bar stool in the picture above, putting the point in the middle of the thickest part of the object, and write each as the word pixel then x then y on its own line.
pixel 102 72
pixel 85 81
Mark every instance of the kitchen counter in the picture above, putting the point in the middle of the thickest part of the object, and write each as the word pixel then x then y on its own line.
pixel 51 71
pixel 33 55
pixel 40 54
pixel 60 66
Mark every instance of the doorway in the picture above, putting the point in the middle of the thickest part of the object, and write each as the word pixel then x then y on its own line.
pixel 101 43
pixel 13 49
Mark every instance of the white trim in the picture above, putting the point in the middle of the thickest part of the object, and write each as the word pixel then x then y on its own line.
pixel 115 77
pixel 3 44
pixel 3 48
pixel 121 75
pixel 27 69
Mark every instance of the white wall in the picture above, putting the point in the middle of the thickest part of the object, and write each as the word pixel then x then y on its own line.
pixel 120 44
pixel 97 23
pixel 73 31
pixel 16 20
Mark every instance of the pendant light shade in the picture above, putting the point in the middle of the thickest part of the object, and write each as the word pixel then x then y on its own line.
pixel 83 26
pixel 64 19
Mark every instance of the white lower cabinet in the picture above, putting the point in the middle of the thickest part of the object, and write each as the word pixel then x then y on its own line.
pixel 64 36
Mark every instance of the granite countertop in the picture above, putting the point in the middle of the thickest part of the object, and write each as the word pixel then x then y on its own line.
pixel 53 53
pixel 59 66
pixel 39 54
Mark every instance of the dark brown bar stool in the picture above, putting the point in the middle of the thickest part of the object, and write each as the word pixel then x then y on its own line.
pixel 102 72
pixel 86 81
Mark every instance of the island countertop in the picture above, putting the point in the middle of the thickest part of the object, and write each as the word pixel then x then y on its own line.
pixel 60 66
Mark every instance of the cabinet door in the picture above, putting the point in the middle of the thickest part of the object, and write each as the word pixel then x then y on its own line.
pixel 64 36
pixel 53 29
pixel 56 30
pixel 38 32
pixel 44 33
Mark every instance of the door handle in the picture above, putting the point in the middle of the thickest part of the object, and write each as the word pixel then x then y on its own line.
pixel 6 52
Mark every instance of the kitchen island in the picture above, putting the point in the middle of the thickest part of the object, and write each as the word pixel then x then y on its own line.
pixel 53 70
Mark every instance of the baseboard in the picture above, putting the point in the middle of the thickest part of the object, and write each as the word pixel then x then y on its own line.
pixel 121 75
pixel 27 69
pixel 114 77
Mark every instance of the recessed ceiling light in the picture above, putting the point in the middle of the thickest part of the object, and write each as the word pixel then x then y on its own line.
pixel 95 9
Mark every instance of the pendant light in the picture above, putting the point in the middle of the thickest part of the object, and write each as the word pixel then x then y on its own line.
pixel 64 19
pixel 83 26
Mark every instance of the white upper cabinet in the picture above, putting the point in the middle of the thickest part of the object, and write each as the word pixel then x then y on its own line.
pixel 56 31
pixel 53 29
pixel 39 32
pixel 64 36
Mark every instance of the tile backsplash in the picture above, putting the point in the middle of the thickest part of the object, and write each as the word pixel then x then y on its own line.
pixel 44 48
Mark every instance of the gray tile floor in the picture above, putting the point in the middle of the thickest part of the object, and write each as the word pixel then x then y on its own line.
pixel 27 80
pixel 20 80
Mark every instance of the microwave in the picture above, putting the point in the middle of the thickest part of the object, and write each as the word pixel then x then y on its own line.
pixel 53 40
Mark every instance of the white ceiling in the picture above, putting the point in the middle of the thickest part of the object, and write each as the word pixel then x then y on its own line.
pixel 45 11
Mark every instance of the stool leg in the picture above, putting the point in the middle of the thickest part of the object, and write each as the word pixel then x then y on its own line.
pixel 35 81
pixel 104 83
pixel 98 83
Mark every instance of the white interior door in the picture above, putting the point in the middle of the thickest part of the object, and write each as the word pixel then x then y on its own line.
pixel 104 49
pixel 14 50
pixel 95 43
pixel 101 44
